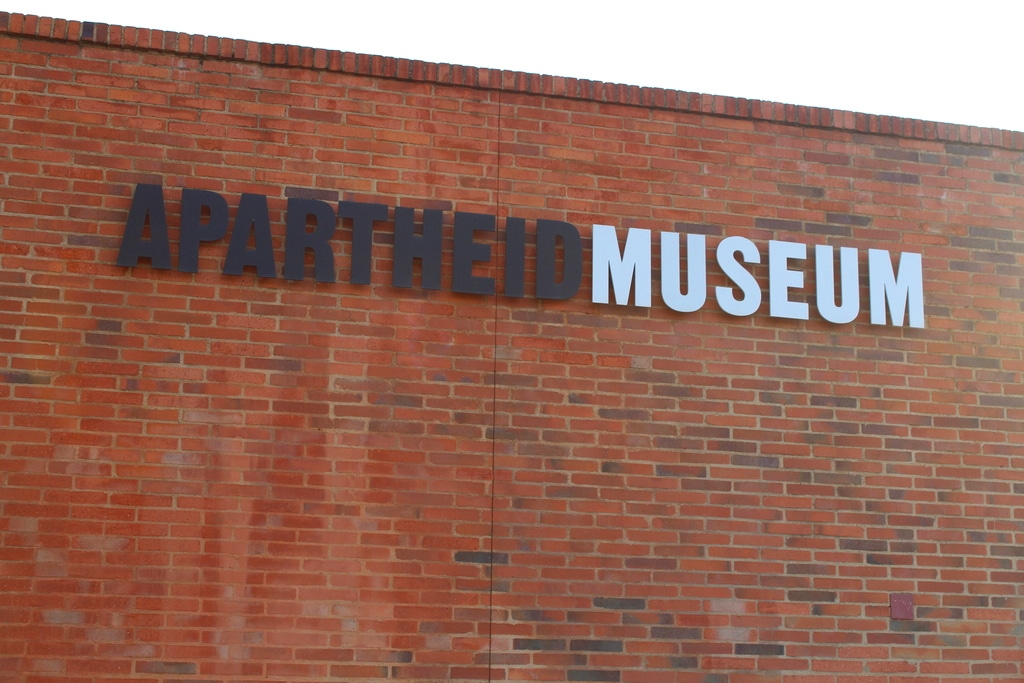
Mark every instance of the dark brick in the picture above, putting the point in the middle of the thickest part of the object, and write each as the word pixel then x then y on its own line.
pixel 778 224
pixel 848 219
pixel 623 414
pixel 776 397
pixel 676 391
pixel 967 267
pixel 996 257
pixel 277 364
pixel 802 190
pixel 968 150
pixel 837 478
pixel 897 154
pixel 481 557
pixel 811 569
pixel 621 603
pixel 760 649
pixel 16 377
pixel 905 178
pixel 826 158
pixel 911 626
pixel 676 633
pixel 165 667
pixel 754 461
pixel 977 362
pixel 645 618
pixel 420 203
pixel 587 492
pixel 591 675
pixel 812 596
pixel 538 644
pixel 834 401
pixel 940 612
pixel 93 241
pixel 699 229
pixel 689 471
pixel 715 678
pixel 503 380
pixel 1000 234
pixel 831 230
pixel 310 193
pixel 892 638
pixel 966 600
pixel 863 544
pixel 735 446
pixel 1008 178
pixel 978 243
pixel 684 662
pixel 595 645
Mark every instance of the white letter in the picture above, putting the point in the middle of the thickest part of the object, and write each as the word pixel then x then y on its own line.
pixel 696 272
pixel 849 280
pixel 727 250
pixel 903 291
pixel 634 261
pixel 781 280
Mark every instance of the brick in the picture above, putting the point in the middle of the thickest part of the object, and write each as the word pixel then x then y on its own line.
pixel 760 649
pixel 165 667
pixel 592 675
pixel 620 603
pixel 538 644
pixel 596 645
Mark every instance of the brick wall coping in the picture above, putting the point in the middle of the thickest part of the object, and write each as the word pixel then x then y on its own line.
pixel 497 79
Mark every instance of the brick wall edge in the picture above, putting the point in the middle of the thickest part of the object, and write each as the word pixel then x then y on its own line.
pixel 210 47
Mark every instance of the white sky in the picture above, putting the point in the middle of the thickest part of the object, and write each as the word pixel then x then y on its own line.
pixel 958 62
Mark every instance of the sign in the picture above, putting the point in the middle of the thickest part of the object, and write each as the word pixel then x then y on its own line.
pixel 617 269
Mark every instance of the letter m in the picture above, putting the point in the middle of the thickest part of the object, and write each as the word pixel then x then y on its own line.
pixel 622 269
pixel 902 292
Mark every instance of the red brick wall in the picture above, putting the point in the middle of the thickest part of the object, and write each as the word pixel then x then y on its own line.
pixel 226 478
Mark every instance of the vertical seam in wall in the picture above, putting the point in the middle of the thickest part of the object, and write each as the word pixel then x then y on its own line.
pixel 494 411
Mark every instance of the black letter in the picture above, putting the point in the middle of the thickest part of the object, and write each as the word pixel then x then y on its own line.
pixel 363 215
pixel 466 252
pixel 297 240
pixel 253 218
pixel 193 231
pixel 409 246
pixel 515 255
pixel 548 232
pixel 148 202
